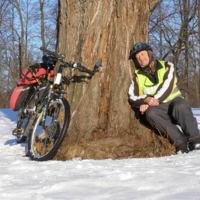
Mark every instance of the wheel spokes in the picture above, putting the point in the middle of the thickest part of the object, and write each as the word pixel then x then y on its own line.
pixel 46 134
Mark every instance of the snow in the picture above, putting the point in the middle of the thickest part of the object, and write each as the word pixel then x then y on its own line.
pixel 175 177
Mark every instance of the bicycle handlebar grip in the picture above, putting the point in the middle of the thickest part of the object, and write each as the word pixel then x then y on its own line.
pixel 84 69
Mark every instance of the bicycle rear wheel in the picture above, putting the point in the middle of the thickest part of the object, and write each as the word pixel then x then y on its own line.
pixel 49 129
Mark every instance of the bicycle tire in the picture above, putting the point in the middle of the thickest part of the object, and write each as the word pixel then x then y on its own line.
pixel 45 139
pixel 20 138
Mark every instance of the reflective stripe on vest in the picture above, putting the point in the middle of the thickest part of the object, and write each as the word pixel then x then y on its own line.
pixel 146 87
pixel 150 90
pixel 154 88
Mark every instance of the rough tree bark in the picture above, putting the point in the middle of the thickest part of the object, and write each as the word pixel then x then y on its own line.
pixel 103 125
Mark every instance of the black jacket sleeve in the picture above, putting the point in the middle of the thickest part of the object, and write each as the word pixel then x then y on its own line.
pixel 133 93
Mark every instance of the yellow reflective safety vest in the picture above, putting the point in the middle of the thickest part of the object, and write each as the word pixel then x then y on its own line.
pixel 146 87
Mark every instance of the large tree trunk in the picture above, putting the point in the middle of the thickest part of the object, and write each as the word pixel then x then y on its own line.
pixel 103 125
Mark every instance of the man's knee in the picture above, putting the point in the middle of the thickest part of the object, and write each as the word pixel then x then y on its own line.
pixel 181 105
pixel 150 114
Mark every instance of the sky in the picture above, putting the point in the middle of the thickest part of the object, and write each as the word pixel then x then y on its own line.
pixel 175 177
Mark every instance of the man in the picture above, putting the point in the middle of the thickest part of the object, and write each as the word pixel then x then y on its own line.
pixel 154 91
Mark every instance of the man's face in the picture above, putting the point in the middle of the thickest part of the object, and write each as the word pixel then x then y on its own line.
pixel 142 58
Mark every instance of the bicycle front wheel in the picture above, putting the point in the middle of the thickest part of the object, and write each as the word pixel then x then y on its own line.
pixel 49 130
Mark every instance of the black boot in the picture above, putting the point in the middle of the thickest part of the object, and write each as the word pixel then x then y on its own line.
pixel 195 144
pixel 183 148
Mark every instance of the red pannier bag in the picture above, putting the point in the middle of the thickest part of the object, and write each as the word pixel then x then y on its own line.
pixel 23 86
pixel 17 97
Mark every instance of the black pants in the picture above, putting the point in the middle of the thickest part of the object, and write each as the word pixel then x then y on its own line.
pixel 177 111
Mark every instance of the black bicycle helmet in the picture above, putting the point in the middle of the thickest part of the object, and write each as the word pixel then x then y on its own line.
pixel 139 47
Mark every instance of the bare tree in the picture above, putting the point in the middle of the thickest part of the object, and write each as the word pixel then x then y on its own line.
pixel 197 69
pixel 22 30
pixel 21 35
pixel 173 29
pixel 42 22
pixel 48 21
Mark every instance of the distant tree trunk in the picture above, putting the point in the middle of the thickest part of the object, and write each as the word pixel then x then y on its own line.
pixel 21 36
pixel 22 59
pixel 103 125
pixel 197 72
pixel 42 23
pixel 186 7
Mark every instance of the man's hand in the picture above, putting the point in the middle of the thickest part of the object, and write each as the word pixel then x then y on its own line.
pixel 143 108
pixel 151 101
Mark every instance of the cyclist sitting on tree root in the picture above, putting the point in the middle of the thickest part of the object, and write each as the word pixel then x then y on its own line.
pixel 154 91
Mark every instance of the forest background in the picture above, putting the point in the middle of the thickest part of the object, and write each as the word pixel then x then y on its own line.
pixel 25 26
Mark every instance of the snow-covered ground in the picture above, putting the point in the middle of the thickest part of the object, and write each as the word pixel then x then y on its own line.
pixel 174 177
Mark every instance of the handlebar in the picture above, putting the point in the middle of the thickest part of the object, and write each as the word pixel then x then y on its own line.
pixel 81 68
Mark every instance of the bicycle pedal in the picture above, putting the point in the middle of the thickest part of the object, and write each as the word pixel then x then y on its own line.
pixel 17 131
